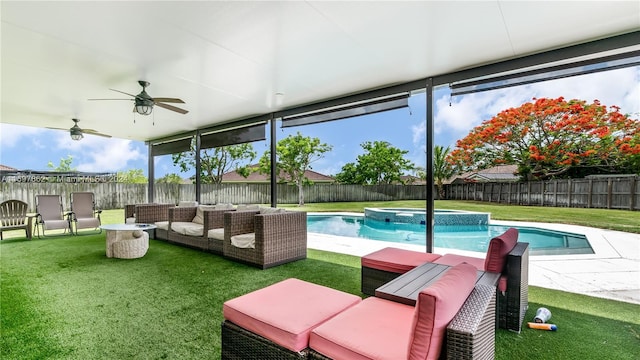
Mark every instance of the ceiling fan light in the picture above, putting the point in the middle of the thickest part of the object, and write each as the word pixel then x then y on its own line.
pixel 76 134
pixel 143 109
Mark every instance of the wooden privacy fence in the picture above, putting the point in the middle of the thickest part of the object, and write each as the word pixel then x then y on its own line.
pixel 607 193
pixel 117 195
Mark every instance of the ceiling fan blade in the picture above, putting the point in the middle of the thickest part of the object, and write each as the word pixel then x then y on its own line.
pixel 172 108
pixel 93 132
pixel 168 100
pixel 112 99
pixel 52 128
pixel 122 92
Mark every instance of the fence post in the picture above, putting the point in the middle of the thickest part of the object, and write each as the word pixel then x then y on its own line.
pixel 609 193
pixel 632 194
pixel 569 193
pixel 589 195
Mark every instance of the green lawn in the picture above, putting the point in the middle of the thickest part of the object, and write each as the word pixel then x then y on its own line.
pixel 61 298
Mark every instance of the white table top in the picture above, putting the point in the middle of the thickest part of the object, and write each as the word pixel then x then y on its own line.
pixel 128 227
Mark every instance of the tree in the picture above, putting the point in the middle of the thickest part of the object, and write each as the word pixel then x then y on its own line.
pixel 169 179
pixel 132 176
pixel 550 138
pixel 380 164
pixel 294 156
pixel 217 161
pixel 64 166
pixel 442 169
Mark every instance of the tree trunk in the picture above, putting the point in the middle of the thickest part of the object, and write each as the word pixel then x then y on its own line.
pixel 300 195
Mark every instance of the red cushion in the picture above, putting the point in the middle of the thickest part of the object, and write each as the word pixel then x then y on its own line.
pixel 373 329
pixel 435 308
pixel 499 248
pixel 453 260
pixel 286 312
pixel 396 260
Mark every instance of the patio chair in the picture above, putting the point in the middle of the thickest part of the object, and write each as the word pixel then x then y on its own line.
pixel 50 215
pixel 83 213
pixel 13 216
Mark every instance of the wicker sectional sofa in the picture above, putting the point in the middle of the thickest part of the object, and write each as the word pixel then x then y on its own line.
pixel 512 296
pixel 278 236
pixel 191 226
pixel 454 318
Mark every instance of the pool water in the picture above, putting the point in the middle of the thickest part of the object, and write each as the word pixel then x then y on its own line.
pixel 461 237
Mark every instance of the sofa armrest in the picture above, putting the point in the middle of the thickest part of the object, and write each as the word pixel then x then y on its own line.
pixel 150 213
pixel 280 229
pixel 471 333
pixel 213 219
pixel 239 222
pixel 182 213
pixel 129 211
pixel 513 305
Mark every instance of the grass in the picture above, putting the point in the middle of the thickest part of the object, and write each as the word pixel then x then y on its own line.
pixel 621 220
pixel 61 298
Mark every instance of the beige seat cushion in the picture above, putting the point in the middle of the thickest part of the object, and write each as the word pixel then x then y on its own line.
pixel 244 241
pixel 187 228
pixel 217 234
pixel 199 218
pixel 162 225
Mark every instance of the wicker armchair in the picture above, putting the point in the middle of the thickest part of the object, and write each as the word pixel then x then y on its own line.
pixel 212 219
pixel 279 237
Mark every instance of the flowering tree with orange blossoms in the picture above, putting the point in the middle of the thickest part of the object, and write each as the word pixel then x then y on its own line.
pixel 550 138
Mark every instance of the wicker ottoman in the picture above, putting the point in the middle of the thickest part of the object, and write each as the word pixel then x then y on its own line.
pixel 127 244
pixel 275 322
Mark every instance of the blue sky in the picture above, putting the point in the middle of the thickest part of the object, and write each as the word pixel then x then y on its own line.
pixel 403 128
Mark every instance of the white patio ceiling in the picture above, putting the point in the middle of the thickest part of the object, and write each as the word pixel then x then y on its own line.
pixel 229 60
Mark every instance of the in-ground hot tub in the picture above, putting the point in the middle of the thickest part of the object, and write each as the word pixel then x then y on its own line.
pixel 418 216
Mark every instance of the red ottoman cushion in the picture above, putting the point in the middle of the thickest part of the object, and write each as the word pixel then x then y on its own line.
pixel 373 329
pixel 454 259
pixel 286 312
pixel 396 260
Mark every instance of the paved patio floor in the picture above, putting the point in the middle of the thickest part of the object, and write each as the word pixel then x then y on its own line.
pixel 613 272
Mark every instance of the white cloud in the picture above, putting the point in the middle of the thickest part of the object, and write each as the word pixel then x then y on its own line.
pixel 98 154
pixel 419 133
pixel 12 135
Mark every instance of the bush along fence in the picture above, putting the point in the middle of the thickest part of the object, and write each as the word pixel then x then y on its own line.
pixel 607 193
pixel 117 195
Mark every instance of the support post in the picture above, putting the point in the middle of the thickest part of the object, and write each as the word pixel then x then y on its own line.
pixel 430 214
pixel 274 168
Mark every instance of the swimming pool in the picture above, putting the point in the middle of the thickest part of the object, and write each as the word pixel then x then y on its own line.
pixel 461 237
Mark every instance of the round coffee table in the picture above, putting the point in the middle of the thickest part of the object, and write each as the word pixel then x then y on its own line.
pixel 127 241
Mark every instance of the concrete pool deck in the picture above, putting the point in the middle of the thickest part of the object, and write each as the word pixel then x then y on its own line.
pixel 613 272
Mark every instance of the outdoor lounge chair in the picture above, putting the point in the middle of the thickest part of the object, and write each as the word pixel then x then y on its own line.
pixel 13 216
pixel 50 215
pixel 265 238
pixel 191 226
pixel 83 213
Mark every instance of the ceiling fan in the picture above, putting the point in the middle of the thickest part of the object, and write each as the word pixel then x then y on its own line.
pixel 144 103
pixel 77 133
